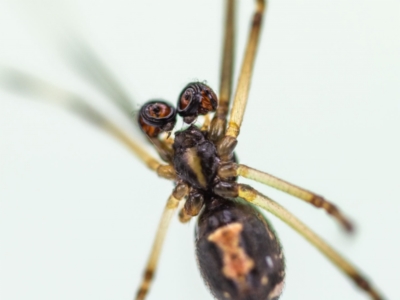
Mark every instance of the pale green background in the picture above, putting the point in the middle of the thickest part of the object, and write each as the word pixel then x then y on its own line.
pixel 78 211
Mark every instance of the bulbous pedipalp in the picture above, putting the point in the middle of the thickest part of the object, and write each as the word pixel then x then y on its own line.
pixel 196 99
pixel 157 116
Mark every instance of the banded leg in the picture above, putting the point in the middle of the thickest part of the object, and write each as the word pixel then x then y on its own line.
pixel 218 124
pixel 243 87
pixel 233 170
pixel 172 204
pixel 251 195
pixel 27 84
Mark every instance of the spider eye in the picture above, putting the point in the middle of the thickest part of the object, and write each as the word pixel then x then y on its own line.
pixel 196 99
pixel 157 116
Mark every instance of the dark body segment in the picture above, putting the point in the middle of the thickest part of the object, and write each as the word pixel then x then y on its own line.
pixel 238 252
pixel 195 158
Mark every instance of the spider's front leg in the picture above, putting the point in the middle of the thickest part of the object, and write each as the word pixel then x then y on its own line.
pixel 228 142
pixel 218 124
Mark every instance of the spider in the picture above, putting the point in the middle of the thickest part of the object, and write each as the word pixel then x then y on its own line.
pixel 239 153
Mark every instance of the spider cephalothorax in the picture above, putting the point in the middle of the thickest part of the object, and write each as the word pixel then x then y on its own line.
pixel 195 158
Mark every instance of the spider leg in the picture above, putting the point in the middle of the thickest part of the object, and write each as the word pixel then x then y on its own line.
pixel 172 204
pixel 218 125
pixel 233 170
pixel 88 64
pixel 31 85
pixel 251 195
pixel 229 141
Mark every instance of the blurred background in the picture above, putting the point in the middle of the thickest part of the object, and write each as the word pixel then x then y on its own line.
pixel 78 211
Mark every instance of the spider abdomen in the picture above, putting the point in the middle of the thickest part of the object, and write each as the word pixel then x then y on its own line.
pixel 239 255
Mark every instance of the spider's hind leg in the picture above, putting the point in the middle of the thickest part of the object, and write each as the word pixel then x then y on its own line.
pixel 172 204
pixel 233 169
